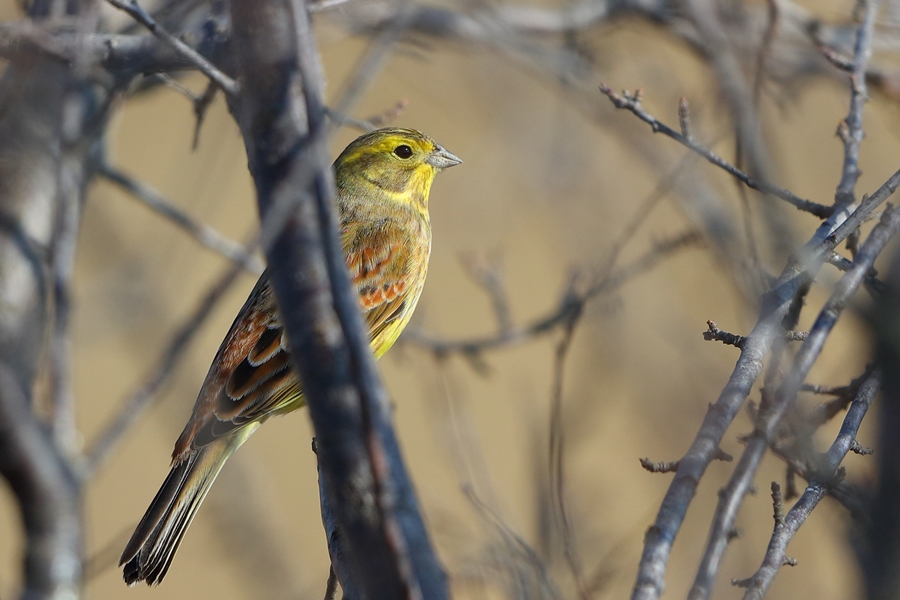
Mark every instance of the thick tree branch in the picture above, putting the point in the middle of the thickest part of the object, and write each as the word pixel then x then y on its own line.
pixel 388 549
pixel 49 496
pixel 124 56
pixel 49 126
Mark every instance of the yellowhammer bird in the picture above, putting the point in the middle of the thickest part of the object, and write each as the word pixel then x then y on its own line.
pixel 383 180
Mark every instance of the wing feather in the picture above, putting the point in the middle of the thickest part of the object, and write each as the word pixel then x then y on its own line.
pixel 252 377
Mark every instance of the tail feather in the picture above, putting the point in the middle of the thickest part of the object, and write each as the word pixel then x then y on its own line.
pixel 152 546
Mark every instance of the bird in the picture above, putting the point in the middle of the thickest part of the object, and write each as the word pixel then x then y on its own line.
pixel 383 181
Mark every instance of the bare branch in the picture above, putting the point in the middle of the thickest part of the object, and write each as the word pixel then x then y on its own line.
pixel 487 272
pixel 387 547
pixel 534 577
pixel 851 497
pixel 659 467
pixel 787 526
pixel 226 83
pixel 201 107
pixel 770 415
pixel 851 129
pixel 203 233
pixel 835 58
pixel 845 394
pixel 325 5
pixel 658 541
pixel 632 103
pixel 372 123
pixel 200 103
pixel 70 189
pixel 557 459
pixel 672 466
pixel 570 302
pixel 135 405
pixel 714 334
pixel 124 56
pixel 331 586
pixel 48 493
pixel 340 571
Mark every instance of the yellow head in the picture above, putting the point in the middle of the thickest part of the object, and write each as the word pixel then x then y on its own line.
pixel 400 162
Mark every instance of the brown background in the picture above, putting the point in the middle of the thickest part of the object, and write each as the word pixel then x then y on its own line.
pixel 545 186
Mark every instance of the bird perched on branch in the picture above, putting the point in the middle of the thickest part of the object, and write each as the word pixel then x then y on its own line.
pixel 383 180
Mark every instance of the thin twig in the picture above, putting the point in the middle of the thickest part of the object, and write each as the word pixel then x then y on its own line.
pixel 672 466
pixel 331 586
pixel 324 5
pixel 714 334
pixel 571 301
pixel 632 103
pixel 132 8
pixel 847 495
pixel 858 448
pixel 851 130
pixel 775 558
pixel 777 504
pixel 201 108
pixel 659 467
pixel 487 272
pixel 845 394
pixel 835 58
pixel 557 461
pixel 203 233
pixel 517 546
pixel 389 115
pixel 756 275
pixel 372 123
pixel 139 400
pixel 62 263
pixel 872 283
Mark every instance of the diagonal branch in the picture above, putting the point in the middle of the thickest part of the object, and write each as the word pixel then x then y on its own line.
pixel 203 233
pixel 226 83
pixel 759 583
pixel 632 103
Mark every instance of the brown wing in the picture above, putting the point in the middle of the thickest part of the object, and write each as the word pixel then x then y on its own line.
pixel 251 376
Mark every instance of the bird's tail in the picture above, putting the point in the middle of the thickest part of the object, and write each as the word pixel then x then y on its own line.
pixel 153 544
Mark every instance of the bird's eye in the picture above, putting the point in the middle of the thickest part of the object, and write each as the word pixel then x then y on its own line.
pixel 403 151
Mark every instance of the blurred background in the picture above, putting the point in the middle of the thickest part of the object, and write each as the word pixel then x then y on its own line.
pixel 552 177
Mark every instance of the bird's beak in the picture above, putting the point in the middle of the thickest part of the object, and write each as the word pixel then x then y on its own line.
pixel 442 159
